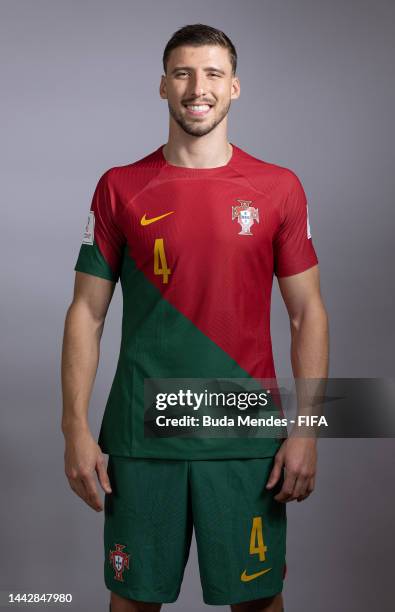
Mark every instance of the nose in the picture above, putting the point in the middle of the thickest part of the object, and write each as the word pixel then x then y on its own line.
pixel 197 85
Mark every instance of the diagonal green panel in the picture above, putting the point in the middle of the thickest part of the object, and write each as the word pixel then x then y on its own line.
pixel 158 341
pixel 167 343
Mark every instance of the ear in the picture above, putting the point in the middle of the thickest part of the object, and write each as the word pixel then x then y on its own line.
pixel 162 87
pixel 235 92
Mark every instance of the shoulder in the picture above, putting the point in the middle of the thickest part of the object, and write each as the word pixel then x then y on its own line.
pixel 133 173
pixel 267 174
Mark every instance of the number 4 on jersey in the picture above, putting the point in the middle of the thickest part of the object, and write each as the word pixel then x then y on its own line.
pixel 160 263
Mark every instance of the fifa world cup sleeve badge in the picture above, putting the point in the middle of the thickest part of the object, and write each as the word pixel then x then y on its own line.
pixel 119 561
pixel 89 232
pixel 245 215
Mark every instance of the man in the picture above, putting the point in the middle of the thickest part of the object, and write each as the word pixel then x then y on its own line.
pixel 194 231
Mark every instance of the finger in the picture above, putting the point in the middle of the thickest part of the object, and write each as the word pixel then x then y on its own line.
pixel 309 490
pixel 91 493
pixel 79 489
pixel 92 499
pixel 75 486
pixel 275 473
pixel 287 489
pixel 103 476
pixel 84 489
pixel 305 496
pixel 301 485
pixel 312 484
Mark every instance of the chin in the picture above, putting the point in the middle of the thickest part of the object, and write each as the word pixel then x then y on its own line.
pixel 197 131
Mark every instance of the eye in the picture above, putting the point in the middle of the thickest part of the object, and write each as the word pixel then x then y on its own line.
pixel 181 74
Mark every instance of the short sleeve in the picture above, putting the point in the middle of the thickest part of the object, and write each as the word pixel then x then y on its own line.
pixel 102 243
pixel 292 246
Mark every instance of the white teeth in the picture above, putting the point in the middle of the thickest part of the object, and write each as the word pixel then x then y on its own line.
pixel 202 107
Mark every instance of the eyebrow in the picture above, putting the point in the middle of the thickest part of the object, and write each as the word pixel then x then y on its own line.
pixel 208 69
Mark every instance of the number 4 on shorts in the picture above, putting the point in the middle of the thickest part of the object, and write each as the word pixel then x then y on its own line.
pixel 257 545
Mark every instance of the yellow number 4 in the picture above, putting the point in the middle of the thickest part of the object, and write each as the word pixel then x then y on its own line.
pixel 257 546
pixel 160 263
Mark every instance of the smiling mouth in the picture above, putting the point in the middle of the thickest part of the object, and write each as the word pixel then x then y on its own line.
pixel 198 110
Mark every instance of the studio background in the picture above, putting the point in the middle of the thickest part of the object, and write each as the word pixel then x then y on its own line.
pixel 80 95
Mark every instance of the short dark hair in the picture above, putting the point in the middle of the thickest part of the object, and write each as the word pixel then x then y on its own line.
pixel 197 35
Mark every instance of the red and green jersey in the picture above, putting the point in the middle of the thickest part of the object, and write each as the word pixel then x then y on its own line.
pixel 195 251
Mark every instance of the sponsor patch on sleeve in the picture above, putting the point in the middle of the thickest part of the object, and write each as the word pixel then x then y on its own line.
pixel 308 223
pixel 89 232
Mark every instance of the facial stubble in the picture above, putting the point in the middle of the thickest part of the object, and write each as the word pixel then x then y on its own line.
pixel 194 128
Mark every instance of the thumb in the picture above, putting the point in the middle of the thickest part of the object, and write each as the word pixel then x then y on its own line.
pixel 275 473
pixel 103 477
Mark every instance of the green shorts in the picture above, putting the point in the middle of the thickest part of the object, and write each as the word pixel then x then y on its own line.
pixel 154 505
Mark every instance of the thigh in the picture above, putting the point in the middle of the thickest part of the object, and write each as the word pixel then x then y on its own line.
pixel 147 529
pixel 240 530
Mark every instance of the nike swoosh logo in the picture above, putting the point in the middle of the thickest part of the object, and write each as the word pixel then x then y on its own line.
pixel 145 221
pixel 246 578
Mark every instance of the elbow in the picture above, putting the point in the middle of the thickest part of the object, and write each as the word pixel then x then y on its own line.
pixel 79 314
pixel 313 313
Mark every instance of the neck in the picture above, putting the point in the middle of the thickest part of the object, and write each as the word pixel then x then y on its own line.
pixel 209 151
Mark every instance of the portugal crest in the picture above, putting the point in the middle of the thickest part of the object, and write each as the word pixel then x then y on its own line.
pixel 245 215
pixel 119 560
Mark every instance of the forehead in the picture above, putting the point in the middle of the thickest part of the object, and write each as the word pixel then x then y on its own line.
pixel 205 55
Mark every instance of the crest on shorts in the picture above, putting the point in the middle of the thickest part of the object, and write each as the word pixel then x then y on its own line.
pixel 119 561
pixel 245 215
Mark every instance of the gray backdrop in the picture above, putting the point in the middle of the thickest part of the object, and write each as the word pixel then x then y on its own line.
pixel 79 94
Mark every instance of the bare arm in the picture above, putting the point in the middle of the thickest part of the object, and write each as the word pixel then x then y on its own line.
pixel 80 357
pixel 309 324
pixel 309 358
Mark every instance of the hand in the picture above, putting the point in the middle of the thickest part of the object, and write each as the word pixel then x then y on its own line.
pixel 83 457
pixel 299 456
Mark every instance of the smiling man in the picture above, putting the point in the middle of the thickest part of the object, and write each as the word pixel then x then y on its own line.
pixel 211 108
pixel 194 231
